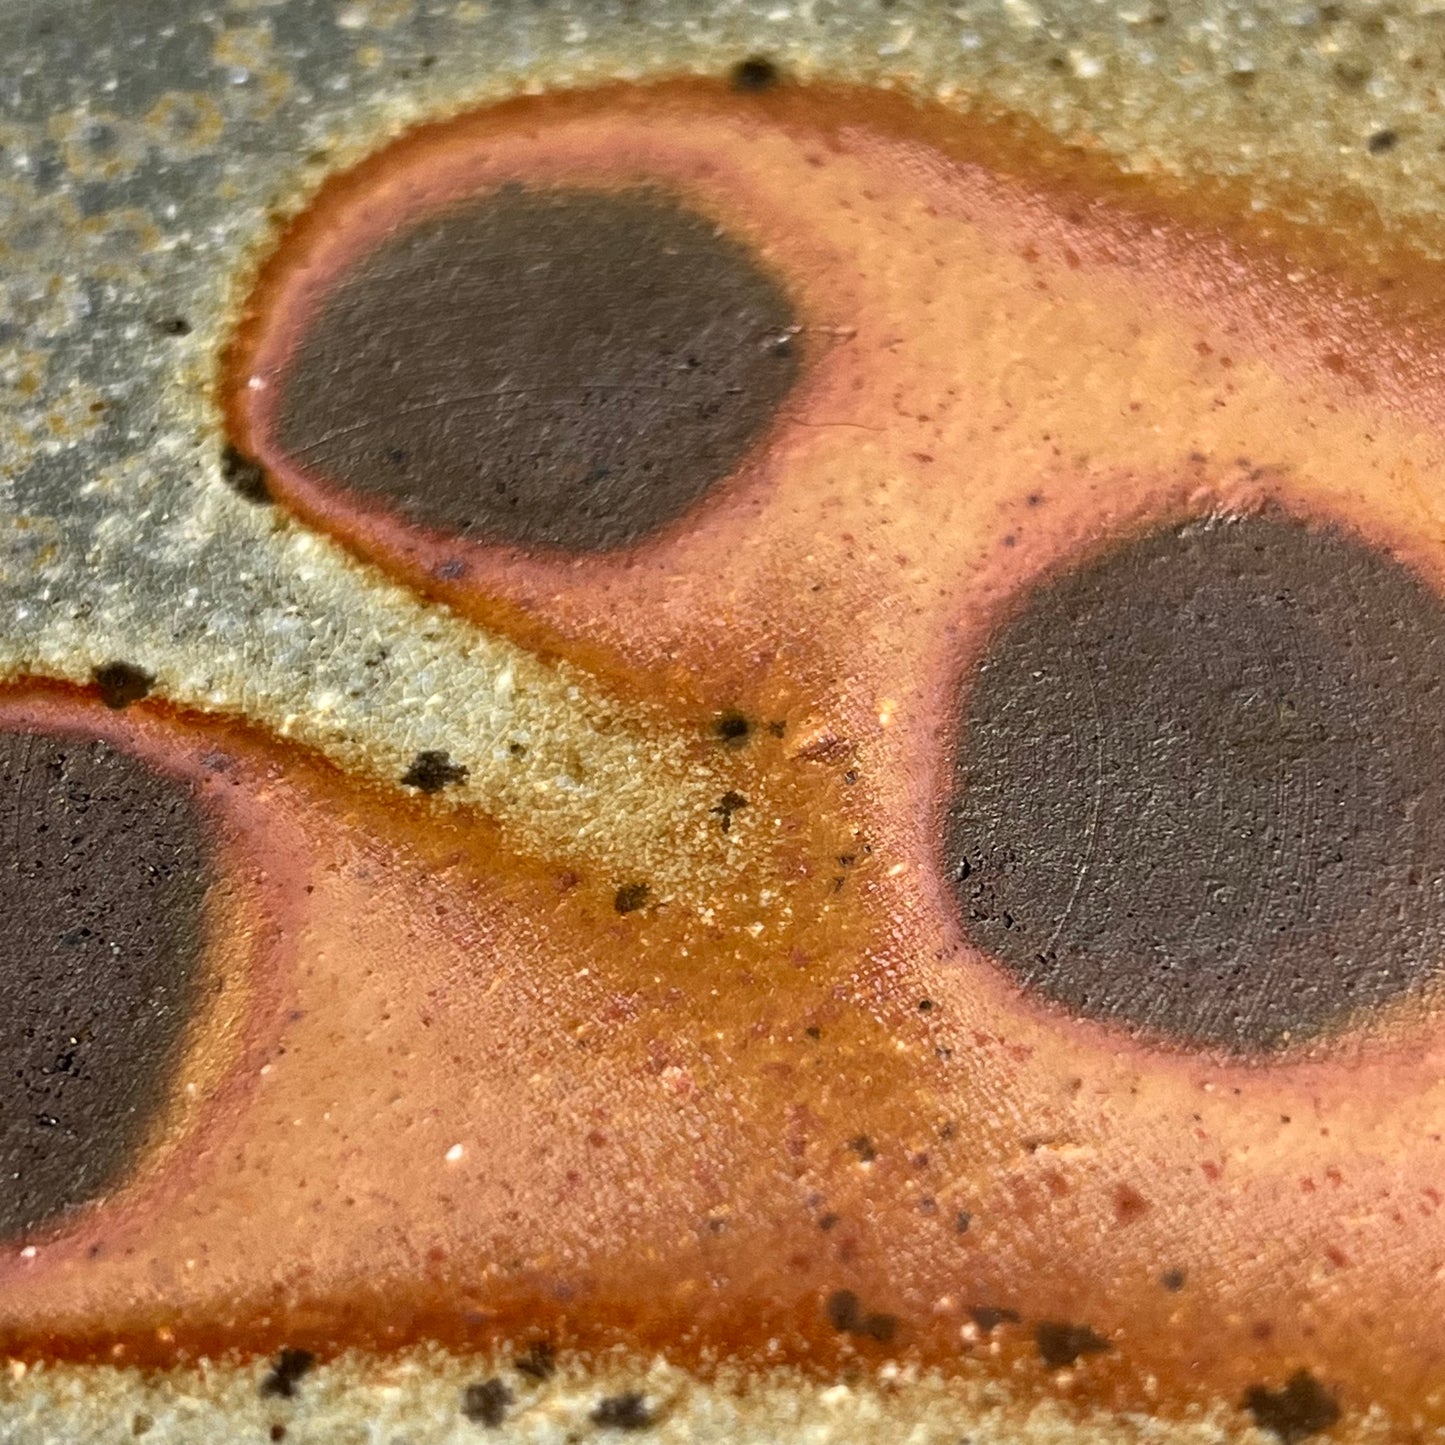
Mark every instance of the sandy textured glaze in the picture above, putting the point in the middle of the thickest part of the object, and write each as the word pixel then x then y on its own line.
pixel 859 1137
pixel 1200 785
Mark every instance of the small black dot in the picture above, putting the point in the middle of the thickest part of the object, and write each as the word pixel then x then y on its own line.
pixel 732 728
pixel 756 73
pixel 278 1432
pixel 925 1005
pixel 487 1403
pixel 431 771
pixel 1382 141
pixel 122 683
pixel 244 476
pixel 1172 1280
pixel 174 326
pixel 630 897
pixel 287 1371
pixel 827 1222
pixel 627 1411
pixel 989 1317
pixel 961 1221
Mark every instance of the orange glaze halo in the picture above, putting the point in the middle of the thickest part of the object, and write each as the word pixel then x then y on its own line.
pixel 657 1121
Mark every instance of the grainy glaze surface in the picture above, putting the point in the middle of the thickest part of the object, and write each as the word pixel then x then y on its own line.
pixel 1213 1226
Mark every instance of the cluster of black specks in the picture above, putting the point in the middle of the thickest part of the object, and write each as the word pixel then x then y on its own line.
pixel 487 1403
pixel 538 1361
pixel 244 476
pixel 627 1411
pixel 432 770
pixel 846 1314
pixel 630 897
pixel 961 1221
pixel 756 73
pixel 1061 1345
pixel 121 683
pixel 1301 1409
pixel 727 805
pixel 287 1371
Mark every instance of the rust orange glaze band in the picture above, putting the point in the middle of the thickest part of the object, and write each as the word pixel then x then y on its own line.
pixel 488 1105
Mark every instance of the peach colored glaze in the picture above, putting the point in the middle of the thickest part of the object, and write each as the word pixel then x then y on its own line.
pixel 469 1099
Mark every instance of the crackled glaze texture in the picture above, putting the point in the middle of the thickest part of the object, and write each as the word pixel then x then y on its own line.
pixel 739 1072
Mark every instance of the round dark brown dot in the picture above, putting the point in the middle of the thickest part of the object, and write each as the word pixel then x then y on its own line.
pixel 1200 789
pixel 755 73
pixel 566 369
pixel 102 894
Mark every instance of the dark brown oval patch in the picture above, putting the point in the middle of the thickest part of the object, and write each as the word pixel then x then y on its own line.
pixel 566 369
pixel 1201 785
pixel 102 893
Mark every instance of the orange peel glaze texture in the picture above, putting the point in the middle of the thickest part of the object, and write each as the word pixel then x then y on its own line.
pixel 494 1102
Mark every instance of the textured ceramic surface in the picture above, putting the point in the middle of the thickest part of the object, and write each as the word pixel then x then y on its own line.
pixel 600 955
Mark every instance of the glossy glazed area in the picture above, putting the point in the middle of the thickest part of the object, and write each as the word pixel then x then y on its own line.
pixel 807 1117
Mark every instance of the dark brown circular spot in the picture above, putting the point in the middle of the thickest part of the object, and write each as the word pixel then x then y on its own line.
pixel 541 368
pixel 102 894
pixel 1201 785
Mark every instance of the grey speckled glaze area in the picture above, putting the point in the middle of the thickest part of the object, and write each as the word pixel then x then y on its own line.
pixel 146 147
pixel 145 144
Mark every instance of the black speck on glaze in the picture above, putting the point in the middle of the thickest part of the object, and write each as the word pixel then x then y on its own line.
pixel 1301 1409
pixel 756 73
pixel 102 895
pixel 287 1371
pixel 1201 785
pixel 1061 1345
pixel 121 683
pixel 846 1314
pixel 432 770
pixel 630 897
pixel 627 1411
pixel 487 1402
pixel 565 369
pixel 244 476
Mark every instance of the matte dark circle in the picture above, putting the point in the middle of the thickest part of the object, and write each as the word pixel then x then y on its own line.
pixel 101 893
pixel 542 368
pixel 1201 785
